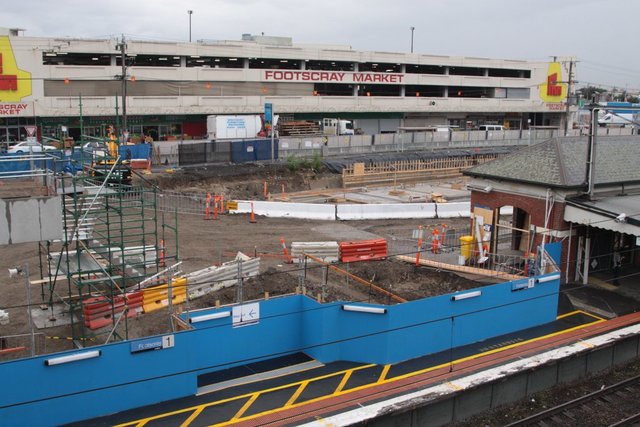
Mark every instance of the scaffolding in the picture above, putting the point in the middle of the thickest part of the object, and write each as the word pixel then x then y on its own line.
pixel 110 244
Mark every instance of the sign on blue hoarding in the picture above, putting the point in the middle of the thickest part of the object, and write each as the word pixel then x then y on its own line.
pixel 268 113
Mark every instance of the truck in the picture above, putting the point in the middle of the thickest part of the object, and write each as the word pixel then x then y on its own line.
pixel 221 127
pixel 337 127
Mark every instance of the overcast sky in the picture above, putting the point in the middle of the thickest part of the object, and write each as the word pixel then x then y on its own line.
pixel 602 35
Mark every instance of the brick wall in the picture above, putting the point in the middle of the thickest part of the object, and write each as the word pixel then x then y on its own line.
pixel 535 207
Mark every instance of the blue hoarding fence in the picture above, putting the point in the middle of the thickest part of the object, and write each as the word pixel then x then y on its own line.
pixel 125 375
pixel 252 150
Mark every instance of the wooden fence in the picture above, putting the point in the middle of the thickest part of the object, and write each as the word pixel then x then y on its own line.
pixel 383 173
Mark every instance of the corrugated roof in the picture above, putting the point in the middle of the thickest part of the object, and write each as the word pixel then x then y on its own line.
pixel 563 163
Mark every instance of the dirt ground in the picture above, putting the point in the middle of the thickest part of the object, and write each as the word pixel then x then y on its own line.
pixel 204 243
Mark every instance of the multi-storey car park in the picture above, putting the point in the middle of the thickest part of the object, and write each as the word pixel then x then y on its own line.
pixel 68 84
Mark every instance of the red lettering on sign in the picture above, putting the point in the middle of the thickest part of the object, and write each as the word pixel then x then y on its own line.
pixel 553 89
pixel 8 82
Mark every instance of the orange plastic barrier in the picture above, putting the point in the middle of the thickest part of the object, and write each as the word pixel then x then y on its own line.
pixel 363 250
pixel 97 311
pixel 140 164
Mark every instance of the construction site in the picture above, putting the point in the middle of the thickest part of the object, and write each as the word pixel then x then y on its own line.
pixel 164 231
pixel 277 261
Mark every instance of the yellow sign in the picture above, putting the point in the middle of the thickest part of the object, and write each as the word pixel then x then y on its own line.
pixel 554 89
pixel 232 205
pixel 15 84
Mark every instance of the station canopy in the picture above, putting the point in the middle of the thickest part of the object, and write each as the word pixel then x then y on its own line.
pixel 617 213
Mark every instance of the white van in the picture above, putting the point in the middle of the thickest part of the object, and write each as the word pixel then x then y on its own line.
pixel 491 127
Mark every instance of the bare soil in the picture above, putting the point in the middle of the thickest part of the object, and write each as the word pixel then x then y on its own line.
pixel 204 243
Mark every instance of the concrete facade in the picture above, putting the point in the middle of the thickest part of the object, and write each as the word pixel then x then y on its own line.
pixel 417 89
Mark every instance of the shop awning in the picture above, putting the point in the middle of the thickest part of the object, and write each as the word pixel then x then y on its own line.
pixel 617 213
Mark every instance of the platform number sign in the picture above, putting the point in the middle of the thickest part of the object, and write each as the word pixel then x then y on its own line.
pixel 168 341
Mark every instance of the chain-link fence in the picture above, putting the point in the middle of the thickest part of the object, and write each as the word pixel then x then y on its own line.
pixel 20 346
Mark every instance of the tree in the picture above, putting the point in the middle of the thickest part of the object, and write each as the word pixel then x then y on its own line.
pixel 590 93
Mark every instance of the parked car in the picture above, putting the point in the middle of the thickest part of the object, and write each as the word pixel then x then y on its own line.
pixel 29 147
pixel 97 148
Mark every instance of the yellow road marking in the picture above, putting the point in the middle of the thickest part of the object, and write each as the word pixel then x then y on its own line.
pixel 383 374
pixel 296 394
pixel 344 381
pixel 192 417
pixel 246 406
pixel 347 373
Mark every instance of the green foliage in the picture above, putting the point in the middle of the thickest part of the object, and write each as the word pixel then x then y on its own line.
pixel 293 163
pixel 296 163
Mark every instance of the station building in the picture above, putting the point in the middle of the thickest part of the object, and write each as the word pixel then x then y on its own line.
pixel 74 85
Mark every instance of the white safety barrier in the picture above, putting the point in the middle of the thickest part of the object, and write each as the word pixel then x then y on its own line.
pixel 288 210
pixel 386 211
pixel 326 251
pixel 214 278
pixel 350 212
pixel 453 210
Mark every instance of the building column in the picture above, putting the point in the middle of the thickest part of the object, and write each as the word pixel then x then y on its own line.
pixel 355 86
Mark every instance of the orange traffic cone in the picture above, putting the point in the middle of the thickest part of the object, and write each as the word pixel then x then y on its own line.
pixel 207 210
pixel 253 216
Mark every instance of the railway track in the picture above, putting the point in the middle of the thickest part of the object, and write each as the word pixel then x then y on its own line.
pixel 615 405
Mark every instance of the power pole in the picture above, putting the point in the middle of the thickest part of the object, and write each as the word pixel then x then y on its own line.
pixel 123 56
pixel 568 112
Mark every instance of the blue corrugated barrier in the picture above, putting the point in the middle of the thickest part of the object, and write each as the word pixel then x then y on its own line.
pixel 252 150
pixel 66 161
pixel 123 375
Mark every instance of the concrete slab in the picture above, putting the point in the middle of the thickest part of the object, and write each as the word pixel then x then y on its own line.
pixel 542 378
pixel 601 302
pixel 509 390
pixel 626 350
pixel 472 402
pixel 48 318
pixel 437 414
pixel 599 360
pixel 571 369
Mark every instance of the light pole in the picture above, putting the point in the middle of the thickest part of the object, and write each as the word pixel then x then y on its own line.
pixel 412 28
pixel 190 12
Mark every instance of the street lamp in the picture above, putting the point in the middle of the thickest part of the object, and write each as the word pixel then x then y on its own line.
pixel 190 12
pixel 412 28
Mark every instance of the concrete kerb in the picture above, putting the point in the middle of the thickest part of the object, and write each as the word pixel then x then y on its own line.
pixel 347 212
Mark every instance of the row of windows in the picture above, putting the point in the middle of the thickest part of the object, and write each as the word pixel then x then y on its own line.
pixel 193 88
pixel 49 58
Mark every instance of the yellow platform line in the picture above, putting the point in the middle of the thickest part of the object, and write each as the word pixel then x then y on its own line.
pixel 383 374
pixel 348 372
pixel 297 394
pixel 411 374
pixel 143 421
pixel 192 417
pixel 343 383
pixel 246 406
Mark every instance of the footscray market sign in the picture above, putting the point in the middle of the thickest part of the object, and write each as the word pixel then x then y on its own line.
pixel 332 76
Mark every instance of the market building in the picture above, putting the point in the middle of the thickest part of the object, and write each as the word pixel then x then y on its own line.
pixel 76 85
